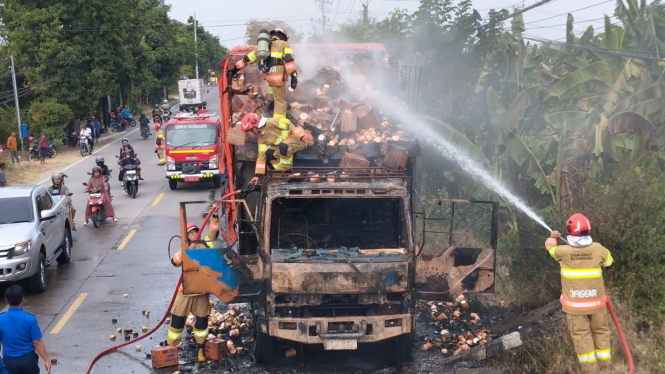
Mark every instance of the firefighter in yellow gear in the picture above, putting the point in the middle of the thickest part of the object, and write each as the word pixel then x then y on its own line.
pixel 279 66
pixel 159 144
pixel 196 304
pixel 583 291
pixel 276 134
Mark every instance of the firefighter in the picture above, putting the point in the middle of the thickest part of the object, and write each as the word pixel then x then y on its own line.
pixel 159 144
pixel 583 291
pixel 278 66
pixel 196 304
pixel 278 135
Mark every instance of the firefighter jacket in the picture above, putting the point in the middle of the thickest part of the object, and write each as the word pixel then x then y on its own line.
pixel 582 286
pixel 213 232
pixel 273 133
pixel 281 62
pixel 159 139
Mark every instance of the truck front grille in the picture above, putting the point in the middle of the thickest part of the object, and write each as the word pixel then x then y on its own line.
pixel 192 167
pixel 6 251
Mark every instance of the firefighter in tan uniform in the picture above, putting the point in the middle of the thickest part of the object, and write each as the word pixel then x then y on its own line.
pixel 196 304
pixel 279 65
pixel 583 291
pixel 278 135
pixel 159 144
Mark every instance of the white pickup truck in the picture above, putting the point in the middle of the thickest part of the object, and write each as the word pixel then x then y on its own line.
pixel 35 229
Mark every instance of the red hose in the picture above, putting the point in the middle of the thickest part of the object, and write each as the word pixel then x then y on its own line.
pixel 157 326
pixel 168 310
pixel 624 343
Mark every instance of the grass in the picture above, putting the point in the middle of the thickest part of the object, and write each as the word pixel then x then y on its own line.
pixel 28 172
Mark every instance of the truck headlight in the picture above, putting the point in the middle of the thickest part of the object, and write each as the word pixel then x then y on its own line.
pixel 170 163
pixel 213 162
pixel 22 248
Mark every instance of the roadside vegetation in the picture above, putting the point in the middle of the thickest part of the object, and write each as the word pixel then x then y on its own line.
pixel 69 55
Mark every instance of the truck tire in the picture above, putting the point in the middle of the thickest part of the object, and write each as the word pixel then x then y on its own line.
pixel 264 346
pixel 37 282
pixel 66 246
pixel 173 184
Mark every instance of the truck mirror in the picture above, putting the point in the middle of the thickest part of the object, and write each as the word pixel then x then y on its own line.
pixel 47 215
pixel 70 194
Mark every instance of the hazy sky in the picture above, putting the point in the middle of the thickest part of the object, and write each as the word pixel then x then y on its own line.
pixel 226 19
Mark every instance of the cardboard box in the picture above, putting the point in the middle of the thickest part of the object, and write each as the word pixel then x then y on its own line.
pixel 366 117
pixel 352 160
pixel 164 356
pixel 238 102
pixel 235 136
pixel 349 121
pixel 396 157
pixel 250 106
pixel 215 350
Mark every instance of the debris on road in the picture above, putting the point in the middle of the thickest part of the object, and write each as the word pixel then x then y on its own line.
pixel 112 336
pixel 164 356
pixel 125 295
pixel 146 313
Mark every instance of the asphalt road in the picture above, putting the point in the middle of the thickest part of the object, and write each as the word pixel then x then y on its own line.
pixel 128 257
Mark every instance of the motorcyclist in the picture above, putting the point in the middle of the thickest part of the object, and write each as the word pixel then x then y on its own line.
pixel 100 162
pixel 166 107
pixel 97 183
pixel 156 112
pixel 125 146
pixel 87 132
pixel 58 188
pixel 127 160
pixel 144 123
pixel 127 150
pixel 126 115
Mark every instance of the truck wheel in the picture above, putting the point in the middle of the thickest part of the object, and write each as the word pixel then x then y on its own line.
pixel 37 282
pixel 173 184
pixel 264 346
pixel 66 247
pixel 217 181
pixel 398 349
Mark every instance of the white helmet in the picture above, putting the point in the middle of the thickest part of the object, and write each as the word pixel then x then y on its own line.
pixel 166 101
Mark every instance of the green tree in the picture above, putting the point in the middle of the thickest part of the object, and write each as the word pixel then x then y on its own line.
pixel 255 25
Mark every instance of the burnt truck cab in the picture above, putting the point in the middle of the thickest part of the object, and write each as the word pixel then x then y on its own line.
pixel 193 149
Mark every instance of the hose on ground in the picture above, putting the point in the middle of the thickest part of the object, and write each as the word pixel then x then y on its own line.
pixel 175 293
pixel 624 343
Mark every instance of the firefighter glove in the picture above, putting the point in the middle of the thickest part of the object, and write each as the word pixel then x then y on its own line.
pixel 294 81
pixel 283 149
pixel 555 234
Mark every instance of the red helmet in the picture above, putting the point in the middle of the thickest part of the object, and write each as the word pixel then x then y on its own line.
pixel 250 120
pixel 192 226
pixel 578 224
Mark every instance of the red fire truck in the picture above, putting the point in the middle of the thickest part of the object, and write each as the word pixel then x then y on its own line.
pixel 193 149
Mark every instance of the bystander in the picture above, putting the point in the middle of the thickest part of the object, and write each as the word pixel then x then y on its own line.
pixel 11 146
pixel 3 179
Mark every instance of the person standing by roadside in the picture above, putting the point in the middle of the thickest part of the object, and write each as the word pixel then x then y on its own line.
pixel 43 148
pixel 98 128
pixel 11 145
pixel 20 337
pixel 3 180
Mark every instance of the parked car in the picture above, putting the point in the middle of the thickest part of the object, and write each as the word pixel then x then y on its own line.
pixel 34 230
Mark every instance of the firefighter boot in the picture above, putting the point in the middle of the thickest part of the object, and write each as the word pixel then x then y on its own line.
pixel 200 357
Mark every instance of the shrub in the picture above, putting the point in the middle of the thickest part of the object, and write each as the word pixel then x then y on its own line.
pixel 48 116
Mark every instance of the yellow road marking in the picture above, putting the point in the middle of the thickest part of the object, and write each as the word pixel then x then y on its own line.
pixel 69 313
pixel 126 240
pixel 159 197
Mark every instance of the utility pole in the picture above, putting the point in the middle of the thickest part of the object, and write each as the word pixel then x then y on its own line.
pixel 324 6
pixel 196 50
pixel 365 4
pixel 18 112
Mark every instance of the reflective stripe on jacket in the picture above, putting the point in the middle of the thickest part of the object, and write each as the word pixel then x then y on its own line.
pixel 275 131
pixel 582 285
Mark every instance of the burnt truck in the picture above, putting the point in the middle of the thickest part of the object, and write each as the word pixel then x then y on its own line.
pixel 334 252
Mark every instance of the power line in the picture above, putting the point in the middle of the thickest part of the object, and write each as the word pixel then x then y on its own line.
pixel 523 10
pixel 572 11
pixel 598 49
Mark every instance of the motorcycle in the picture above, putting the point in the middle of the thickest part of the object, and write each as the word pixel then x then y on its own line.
pixel 156 118
pixel 84 146
pixel 145 131
pixel 130 180
pixel 96 206
pixel 167 115
pixel 117 125
pixel 33 153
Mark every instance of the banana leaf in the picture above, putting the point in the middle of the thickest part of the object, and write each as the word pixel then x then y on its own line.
pixel 495 107
pixel 521 154
pixel 458 139
pixel 646 102
pixel 562 56
pixel 573 120
pixel 579 76
pixel 513 116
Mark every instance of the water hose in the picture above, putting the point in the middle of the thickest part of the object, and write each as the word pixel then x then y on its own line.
pixel 175 292
pixel 624 343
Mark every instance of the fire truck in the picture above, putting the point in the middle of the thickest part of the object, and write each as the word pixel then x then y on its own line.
pixel 193 149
